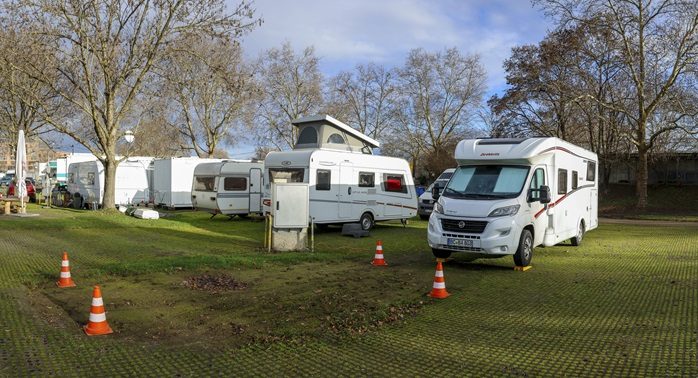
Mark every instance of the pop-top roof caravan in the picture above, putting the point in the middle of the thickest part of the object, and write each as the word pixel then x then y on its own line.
pixel 508 196
pixel 86 182
pixel 348 183
pixel 172 180
pixel 230 187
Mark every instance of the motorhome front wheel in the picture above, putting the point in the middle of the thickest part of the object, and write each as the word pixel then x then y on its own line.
pixel 524 252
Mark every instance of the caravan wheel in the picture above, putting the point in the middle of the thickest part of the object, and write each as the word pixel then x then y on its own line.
pixel 366 221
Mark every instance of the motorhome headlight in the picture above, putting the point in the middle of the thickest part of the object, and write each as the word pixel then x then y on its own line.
pixel 438 208
pixel 506 210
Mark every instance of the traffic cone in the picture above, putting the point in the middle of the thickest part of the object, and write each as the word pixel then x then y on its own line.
pixel 65 280
pixel 439 289
pixel 98 319
pixel 378 257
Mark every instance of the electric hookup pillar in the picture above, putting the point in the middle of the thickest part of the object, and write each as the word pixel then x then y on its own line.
pixel 290 209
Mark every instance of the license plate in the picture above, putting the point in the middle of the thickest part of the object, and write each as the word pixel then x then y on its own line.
pixel 460 242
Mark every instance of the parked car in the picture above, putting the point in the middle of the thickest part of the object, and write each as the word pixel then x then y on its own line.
pixel 31 191
pixel 7 179
pixel 426 203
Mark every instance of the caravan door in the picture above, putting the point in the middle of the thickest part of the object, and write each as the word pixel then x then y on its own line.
pixel 255 190
pixel 346 169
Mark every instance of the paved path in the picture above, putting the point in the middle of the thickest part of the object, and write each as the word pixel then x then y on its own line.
pixel 647 222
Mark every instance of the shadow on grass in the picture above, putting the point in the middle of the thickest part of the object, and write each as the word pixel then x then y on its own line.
pixel 476 266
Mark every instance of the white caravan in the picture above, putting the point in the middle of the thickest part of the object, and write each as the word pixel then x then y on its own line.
pixel 347 182
pixel 86 182
pixel 508 196
pixel 57 170
pixel 172 180
pixel 230 187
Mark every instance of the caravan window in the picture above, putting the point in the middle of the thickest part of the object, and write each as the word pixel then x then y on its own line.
pixel 322 179
pixel 591 171
pixel 575 180
pixel 394 183
pixel 71 177
pixel 282 175
pixel 367 179
pixel 235 184
pixel 336 139
pixel 561 181
pixel 204 183
pixel 90 178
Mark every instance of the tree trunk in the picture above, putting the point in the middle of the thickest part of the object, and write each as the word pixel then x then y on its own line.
pixel 641 179
pixel 109 200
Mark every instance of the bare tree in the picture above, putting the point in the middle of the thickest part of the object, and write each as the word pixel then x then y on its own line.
pixel 439 97
pixel 657 44
pixel 24 102
pixel 206 87
pixel 105 53
pixel 290 87
pixel 366 99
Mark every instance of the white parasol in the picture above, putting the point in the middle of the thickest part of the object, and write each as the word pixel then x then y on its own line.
pixel 21 169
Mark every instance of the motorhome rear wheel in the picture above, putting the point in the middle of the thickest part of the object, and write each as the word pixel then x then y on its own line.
pixel 577 240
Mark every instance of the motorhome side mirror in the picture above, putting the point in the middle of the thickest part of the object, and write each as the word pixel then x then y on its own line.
pixel 435 192
pixel 544 194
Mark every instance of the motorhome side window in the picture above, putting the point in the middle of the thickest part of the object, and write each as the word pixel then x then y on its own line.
pixel 561 181
pixel 538 179
pixel 204 183
pixel 394 183
pixel 283 175
pixel 235 184
pixel 575 180
pixel 322 179
pixel 591 171
pixel 367 179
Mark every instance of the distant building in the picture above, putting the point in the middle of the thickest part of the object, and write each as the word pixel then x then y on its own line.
pixel 37 152
pixel 671 169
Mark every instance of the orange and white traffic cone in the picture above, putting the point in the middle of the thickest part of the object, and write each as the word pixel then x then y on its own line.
pixel 378 259
pixel 65 280
pixel 98 319
pixel 439 289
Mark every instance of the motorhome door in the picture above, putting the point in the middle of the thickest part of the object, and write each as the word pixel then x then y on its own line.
pixel 345 196
pixel 255 190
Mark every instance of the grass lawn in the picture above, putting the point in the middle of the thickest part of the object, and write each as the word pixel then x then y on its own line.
pixel 191 296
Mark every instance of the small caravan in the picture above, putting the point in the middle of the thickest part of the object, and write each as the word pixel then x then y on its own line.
pixel 229 187
pixel 348 183
pixel 86 182
pixel 172 180
pixel 508 196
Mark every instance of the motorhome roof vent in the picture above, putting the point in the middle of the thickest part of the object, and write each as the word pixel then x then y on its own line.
pixel 495 141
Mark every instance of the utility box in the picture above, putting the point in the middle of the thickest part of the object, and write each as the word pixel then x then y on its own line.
pixel 290 208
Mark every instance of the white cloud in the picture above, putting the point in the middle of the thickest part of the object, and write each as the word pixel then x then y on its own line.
pixel 345 33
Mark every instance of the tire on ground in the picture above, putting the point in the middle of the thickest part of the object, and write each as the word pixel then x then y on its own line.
pixel 577 240
pixel 366 221
pixel 524 252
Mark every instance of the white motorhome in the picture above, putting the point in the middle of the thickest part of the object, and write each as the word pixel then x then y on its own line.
pixel 172 180
pixel 508 196
pixel 229 187
pixel 348 183
pixel 86 182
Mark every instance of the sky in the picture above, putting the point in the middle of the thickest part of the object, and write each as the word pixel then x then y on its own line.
pixel 349 32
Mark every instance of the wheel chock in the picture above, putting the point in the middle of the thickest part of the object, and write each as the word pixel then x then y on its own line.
pixel 522 268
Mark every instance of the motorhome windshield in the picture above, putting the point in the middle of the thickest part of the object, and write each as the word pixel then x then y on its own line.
pixel 486 182
pixel 282 175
